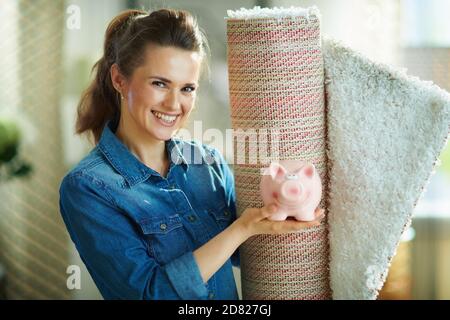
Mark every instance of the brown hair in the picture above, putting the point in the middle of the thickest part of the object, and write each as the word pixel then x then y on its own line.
pixel 126 38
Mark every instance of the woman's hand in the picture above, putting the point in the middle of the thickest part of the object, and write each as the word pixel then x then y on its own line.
pixel 254 221
pixel 213 254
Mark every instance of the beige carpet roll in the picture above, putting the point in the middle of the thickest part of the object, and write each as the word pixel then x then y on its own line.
pixel 276 85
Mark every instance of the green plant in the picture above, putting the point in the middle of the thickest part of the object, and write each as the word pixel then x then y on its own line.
pixel 11 164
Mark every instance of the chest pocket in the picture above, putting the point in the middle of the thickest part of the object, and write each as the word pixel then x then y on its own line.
pixel 166 237
pixel 222 216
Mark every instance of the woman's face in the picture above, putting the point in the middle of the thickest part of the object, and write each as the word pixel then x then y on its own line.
pixel 160 94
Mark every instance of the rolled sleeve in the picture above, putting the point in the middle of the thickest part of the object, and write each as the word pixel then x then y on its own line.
pixel 230 195
pixel 231 198
pixel 185 277
pixel 116 254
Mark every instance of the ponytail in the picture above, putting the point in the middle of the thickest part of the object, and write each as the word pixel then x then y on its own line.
pixel 100 102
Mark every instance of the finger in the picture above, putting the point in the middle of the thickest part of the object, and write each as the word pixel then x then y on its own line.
pixel 292 225
pixel 298 225
pixel 268 210
pixel 319 213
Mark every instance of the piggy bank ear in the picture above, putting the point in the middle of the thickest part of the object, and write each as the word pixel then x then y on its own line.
pixel 276 170
pixel 307 170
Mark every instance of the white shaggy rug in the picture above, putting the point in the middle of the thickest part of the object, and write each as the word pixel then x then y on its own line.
pixel 385 132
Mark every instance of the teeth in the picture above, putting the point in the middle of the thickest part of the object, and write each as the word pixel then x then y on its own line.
pixel 164 117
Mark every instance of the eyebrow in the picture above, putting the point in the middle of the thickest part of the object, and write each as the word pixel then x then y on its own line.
pixel 168 81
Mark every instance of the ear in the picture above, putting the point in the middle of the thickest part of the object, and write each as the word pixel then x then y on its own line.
pixel 308 170
pixel 117 79
pixel 276 170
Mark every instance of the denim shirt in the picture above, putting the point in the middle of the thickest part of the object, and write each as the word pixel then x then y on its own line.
pixel 136 230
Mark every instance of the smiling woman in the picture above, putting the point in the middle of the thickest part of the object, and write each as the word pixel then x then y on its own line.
pixel 168 100
pixel 156 100
pixel 140 51
pixel 146 225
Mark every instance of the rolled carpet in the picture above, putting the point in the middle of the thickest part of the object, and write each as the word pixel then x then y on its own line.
pixel 276 86
pixel 381 130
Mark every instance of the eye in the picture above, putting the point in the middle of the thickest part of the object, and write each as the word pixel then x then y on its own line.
pixel 189 89
pixel 159 84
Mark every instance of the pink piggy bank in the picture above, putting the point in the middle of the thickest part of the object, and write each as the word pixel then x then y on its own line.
pixel 294 186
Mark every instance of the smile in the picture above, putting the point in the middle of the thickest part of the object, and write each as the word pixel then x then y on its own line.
pixel 165 118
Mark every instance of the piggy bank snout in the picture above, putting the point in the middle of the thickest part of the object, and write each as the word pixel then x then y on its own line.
pixel 291 190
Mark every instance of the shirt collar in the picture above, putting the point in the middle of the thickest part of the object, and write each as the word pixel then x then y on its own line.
pixel 130 167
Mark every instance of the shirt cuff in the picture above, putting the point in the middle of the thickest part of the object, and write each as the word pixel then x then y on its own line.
pixel 185 277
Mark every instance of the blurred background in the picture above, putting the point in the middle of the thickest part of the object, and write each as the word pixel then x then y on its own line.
pixel 48 48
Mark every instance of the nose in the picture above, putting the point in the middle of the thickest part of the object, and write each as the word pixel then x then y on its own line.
pixel 291 190
pixel 172 101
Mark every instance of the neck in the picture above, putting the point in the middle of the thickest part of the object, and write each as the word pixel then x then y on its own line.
pixel 147 149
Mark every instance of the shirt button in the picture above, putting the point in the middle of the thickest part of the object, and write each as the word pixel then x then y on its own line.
pixel 163 226
pixel 211 295
pixel 226 213
pixel 192 218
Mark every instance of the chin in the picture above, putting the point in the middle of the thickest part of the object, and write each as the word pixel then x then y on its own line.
pixel 163 137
